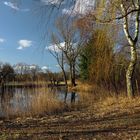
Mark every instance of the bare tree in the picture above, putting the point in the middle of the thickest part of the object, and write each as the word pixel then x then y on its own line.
pixel 59 56
pixel 68 41
pixel 34 70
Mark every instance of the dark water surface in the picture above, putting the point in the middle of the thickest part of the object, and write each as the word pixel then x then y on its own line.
pixel 14 100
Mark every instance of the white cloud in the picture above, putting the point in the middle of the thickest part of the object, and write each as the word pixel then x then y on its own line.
pixel 55 47
pixel 44 68
pixel 81 7
pixel 14 6
pixel 11 5
pixel 69 11
pixel 84 6
pixel 19 48
pixel 32 67
pixel 2 40
pixel 48 2
pixel 24 44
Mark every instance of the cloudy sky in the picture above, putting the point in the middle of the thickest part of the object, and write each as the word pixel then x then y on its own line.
pixel 20 35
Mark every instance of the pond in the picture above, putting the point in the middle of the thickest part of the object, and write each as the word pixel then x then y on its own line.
pixel 21 100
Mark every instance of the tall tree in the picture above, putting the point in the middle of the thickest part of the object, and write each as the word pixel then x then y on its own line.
pixel 7 73
pixel 71 46
pixel 129 13
pixel 60 58
pixel 132 39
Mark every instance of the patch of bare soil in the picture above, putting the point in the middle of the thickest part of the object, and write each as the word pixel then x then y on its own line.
pixel 74 125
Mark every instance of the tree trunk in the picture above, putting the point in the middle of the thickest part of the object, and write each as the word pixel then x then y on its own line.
pixel 65 77
pixel 73 80
pixel 130 72
pixel 132 42
pixel 72 75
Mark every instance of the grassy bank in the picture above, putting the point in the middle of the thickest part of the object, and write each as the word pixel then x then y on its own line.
pixel 97 115
pixel 45 101
pixel 108 119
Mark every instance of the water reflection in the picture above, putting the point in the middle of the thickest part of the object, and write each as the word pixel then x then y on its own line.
pixel 73 96
pixel 67 97
pixel 5 98
pixel 13 100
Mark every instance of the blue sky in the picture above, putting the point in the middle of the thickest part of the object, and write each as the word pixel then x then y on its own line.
pixel 21 34
pixel 20 37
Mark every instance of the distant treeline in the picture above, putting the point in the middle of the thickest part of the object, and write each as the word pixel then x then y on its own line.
pixel 25 73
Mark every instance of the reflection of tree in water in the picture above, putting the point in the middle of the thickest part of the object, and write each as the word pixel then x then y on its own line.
pixel 14 100
pixel 6 94
pixel 60 91
pixel 66 94
pixel 73 96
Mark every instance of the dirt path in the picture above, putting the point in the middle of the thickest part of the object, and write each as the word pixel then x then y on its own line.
pixel 75 125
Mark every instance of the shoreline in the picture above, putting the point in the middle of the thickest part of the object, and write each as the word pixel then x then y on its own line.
pixel 109 119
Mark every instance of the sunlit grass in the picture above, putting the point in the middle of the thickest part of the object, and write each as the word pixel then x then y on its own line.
pixel 119 105
pixel 40 101
pixel 46 102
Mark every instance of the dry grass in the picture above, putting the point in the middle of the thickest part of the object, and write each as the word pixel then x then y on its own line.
pixel 103 102
pixel 46 102
pixel 42 102
pixel 83 87
pixel 99 91
pixel 114 106
pixel 96 99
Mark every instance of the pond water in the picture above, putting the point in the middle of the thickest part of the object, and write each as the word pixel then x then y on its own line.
pixel 14 100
